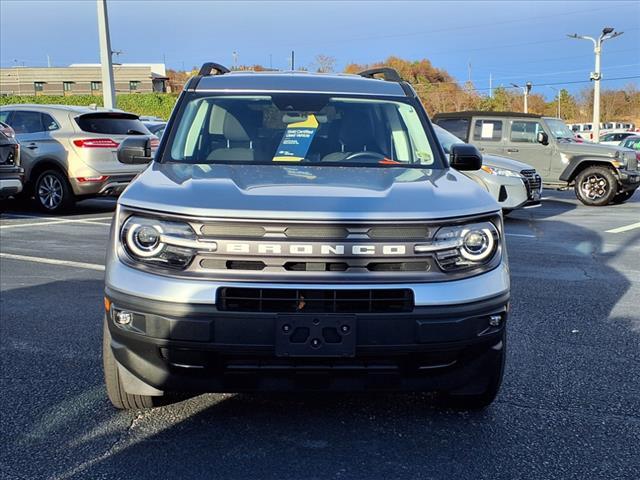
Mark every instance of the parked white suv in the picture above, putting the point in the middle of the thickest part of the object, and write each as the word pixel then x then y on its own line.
pixel 69 152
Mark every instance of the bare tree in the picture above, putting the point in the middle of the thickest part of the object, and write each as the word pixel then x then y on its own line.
pixel 324 63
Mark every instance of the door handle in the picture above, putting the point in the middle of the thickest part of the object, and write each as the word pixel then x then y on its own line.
pixel 32 146
pixel 512 150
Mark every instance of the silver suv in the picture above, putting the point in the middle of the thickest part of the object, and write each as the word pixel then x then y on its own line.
pixel 69 152
pixel 304 231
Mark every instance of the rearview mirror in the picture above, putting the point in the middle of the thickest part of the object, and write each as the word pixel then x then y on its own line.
pixel 135 151
pixel 465 157
pixel 543 138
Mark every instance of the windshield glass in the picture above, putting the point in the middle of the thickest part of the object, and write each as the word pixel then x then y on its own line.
pixel 300 128
pixel 446 138
pixel 559 129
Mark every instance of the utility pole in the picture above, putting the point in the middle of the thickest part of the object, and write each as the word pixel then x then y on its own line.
pixel 559 91
pixel 490 86
pixel 525 90
pixel 293 60
pixel 596 76
pixel 108 86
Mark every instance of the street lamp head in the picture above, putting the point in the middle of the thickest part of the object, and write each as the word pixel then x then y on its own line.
pixel 607 30
pixel 514 85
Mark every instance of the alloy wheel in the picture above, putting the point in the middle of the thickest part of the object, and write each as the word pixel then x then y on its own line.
pixel 594 186
pixel 50 192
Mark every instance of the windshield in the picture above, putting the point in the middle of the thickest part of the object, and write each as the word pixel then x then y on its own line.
pixel 300 128
pixel 446 138
pixel 559 129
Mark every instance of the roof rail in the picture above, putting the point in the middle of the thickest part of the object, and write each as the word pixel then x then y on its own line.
pixel 389 74
pixel 210 67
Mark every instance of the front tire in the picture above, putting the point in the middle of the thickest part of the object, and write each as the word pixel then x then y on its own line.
pixel 116 393
pixel 596 186
pixel 623 196
pixel 52 192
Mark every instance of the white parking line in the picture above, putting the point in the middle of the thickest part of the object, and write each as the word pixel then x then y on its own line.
pixel 91 221
pixel 624 228
pixel 520 235
pixel 53 261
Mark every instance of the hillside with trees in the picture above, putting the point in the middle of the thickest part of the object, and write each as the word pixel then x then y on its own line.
pixel 438 90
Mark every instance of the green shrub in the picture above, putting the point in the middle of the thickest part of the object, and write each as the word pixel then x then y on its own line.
pixel 155 104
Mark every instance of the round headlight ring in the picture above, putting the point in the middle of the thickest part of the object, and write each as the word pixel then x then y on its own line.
pixel 144 239
pixel 478 244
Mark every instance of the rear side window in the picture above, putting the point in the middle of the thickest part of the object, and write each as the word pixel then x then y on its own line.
pixel 488 130
pixel 457 126
pixel 112 124
pixel 49 123
pixel 26 122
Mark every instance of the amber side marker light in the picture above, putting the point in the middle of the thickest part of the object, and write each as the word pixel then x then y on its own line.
pixel 107 304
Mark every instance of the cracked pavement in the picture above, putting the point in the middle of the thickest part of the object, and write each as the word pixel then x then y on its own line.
pixel 569 407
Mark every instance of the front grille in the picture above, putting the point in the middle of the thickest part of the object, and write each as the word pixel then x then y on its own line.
pixel 288 300
pixel 533 182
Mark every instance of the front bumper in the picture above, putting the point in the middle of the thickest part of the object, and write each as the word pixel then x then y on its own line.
pixel 447 342
pixel 629 179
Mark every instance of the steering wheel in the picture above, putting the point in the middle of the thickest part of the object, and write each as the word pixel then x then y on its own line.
pixel 357 155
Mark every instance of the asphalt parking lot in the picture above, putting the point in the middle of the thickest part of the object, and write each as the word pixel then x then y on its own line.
pixel 569 406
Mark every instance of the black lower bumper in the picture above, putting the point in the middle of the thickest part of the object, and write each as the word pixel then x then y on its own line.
pixel 198 348
pixel 629 180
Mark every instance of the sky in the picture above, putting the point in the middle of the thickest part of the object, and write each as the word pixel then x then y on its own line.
pixel 511 41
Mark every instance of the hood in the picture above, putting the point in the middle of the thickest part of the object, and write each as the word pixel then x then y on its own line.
pixel 307 192
pixel 587 148
pixel 506 163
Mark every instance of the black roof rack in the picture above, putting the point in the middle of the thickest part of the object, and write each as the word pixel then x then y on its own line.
pixel 209 67
pixel 389 74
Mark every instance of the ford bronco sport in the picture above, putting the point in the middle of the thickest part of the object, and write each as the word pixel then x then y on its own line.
pixel 599 174
pixel 303 231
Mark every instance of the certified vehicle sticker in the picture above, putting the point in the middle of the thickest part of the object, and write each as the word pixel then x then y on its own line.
pixel 296 140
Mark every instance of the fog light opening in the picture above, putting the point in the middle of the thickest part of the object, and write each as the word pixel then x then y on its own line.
pixel 495 320
pixel 124 318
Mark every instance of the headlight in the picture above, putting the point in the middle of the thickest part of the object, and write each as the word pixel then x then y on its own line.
pixel 501 172
pixel 463 246
pixel 163 243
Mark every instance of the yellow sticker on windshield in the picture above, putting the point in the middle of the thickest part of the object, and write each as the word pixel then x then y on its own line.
pixel 297 140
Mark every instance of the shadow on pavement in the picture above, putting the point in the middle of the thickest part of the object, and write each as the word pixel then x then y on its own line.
pixel 563 412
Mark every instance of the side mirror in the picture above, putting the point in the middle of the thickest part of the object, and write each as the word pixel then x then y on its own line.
pixel 135 150
pixel 465 157
pixel 543 138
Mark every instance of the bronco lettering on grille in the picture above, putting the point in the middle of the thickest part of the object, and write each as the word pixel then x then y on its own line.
pixel 312 249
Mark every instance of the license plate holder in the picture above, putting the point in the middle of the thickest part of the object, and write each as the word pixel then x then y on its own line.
pixel 306 335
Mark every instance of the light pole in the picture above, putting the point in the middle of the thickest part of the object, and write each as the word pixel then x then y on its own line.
pixel 525 90
pixel 108 87
pixel 559 91
pixel 606 34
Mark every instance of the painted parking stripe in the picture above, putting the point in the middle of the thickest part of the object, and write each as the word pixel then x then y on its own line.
pixel 53 261
pixel 91 221
pixel 524 235
pixel 624 228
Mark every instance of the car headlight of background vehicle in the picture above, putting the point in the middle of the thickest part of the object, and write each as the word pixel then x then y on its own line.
pixel 163 243
pixel 463 247
pixel 501 172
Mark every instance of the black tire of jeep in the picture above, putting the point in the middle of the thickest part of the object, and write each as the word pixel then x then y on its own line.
pixel 596 186
pixel 52 192
pixel 482 400
pixel 118 397
pixel 623 196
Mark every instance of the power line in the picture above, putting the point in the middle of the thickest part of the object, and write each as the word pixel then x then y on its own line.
pixel 510 87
